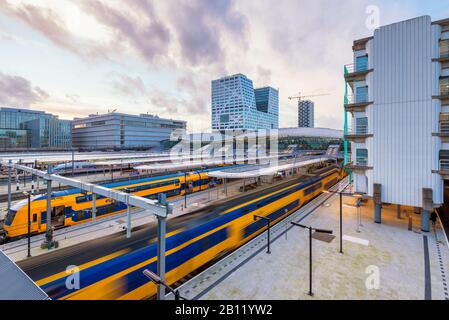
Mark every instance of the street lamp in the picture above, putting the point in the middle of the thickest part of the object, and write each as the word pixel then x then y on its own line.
pixel 310 249
pixel 268 220
pixel 28 195
pixel 158 281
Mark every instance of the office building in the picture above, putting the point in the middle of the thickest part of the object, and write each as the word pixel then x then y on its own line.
pixel 31 129
pixel 398 95
pixel 306 114
pixel 236 105
pixel 122 131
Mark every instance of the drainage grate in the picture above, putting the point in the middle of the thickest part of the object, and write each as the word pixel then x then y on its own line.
pixel 440 258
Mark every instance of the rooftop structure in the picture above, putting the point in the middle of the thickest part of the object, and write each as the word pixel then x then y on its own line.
pixel 122 131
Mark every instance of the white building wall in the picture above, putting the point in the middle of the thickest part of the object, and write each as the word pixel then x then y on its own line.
pixel 403 150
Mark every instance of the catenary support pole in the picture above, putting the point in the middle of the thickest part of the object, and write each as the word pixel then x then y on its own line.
pixel 9 184
pixel 94 206
pixel 48 220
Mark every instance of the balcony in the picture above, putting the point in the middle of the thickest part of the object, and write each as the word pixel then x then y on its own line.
pixel 443 130
pixel 444 91
pixel 443 165
pixel 359 134
pixel 444 52
pixel 361 161
pixel 357 102
pixel 356 71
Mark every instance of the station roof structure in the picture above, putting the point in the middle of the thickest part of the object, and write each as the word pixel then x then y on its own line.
pixel 16 284
pixel 52 157
pixel 199 163
pixel 263 170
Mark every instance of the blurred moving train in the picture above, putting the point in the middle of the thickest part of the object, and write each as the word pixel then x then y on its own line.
pixel 111 267
pixel 71 207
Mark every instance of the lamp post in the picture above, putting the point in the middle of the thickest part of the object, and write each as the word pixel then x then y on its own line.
pixel 310 249
pixel 158 281
pixel 28 195
pixel 268 220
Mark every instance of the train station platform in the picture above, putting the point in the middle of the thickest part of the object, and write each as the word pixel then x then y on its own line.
pixel 381 261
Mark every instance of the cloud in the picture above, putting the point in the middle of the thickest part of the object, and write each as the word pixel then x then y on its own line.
pixel 18 91
pixel 128 85
pixel 141 30
pixel 291 45
pixel 50 24
pixel 201 26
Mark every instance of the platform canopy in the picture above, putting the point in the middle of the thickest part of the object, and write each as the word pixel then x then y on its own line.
pixel 263 170
pixel 202 163
pixel 16 285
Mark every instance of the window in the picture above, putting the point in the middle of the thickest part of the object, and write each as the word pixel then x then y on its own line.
pixel 361 125
pixel 224 118
pixel 361 64
pixel 35 217
pixel 361 94
pixel 444 48
pixel 444 86
pixel 362 157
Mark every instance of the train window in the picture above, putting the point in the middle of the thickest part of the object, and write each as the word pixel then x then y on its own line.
pixel 80 199
pixel 35 217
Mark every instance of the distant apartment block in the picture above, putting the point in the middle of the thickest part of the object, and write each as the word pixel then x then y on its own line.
pixel 236 105
pixel 30 129
pixel 122 131
pixel 306 114
pixel 398 95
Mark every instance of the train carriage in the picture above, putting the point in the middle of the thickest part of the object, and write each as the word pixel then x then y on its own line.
pixel 72 207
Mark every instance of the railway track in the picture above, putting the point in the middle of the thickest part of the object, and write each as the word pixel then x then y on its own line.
pixel 200 282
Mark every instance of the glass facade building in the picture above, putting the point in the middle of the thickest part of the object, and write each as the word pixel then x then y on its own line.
pixel 237 106
pixel 123 131
pixel 306 114
pixel 30 129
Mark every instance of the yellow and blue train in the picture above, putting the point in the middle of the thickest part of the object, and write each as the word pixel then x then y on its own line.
pixel 72 207
pixel 111 267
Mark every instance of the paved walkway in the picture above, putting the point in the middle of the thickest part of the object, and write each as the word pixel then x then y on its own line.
pixel 382 261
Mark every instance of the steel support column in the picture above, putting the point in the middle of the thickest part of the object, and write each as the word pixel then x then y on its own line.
pixel 94 206
pixel 128 220
pixel 49 232
pixel 161 233
pixel 9 185
pixel 377 203
pixel 425 218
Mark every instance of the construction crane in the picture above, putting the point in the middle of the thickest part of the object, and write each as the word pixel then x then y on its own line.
pixel 300 97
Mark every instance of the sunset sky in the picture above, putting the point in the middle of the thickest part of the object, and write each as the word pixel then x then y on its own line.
pixel 73 58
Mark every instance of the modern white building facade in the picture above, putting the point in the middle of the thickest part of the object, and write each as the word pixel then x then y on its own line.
pixel 306 114
pixel 122 131
pixel 398 95
pixel 237 106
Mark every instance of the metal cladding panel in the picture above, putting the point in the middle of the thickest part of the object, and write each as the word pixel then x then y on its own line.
pixel 403 149
pixel 15 284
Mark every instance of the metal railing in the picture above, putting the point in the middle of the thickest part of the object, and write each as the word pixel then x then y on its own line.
pixel 444 51
pixel 356 98
pixel 444 164
pixel 356 67
pixel 361 129
pixel 444 126
pixel 444 88
pixel 361 161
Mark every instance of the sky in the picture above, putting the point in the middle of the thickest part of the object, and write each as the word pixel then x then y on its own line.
pixel 75 58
